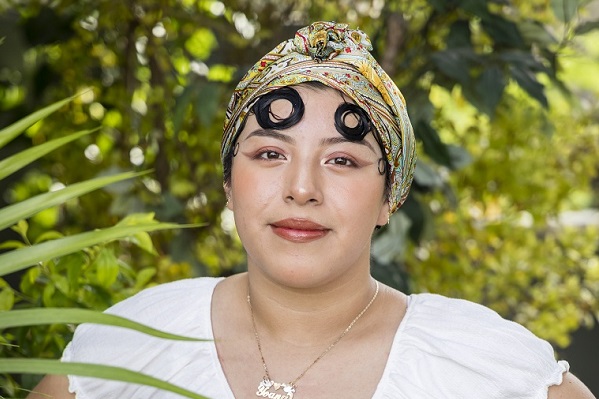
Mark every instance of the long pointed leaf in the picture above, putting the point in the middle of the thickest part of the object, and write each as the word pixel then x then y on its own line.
pixel 22 258
pixel 45 366
pixel 24 158
pixel 36 317
pixel 12 131
pixel 9 215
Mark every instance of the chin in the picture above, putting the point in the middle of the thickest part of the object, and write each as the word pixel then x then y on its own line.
pixel 305 274
pixel 299 282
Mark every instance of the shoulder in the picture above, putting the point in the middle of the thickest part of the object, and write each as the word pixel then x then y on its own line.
pixel 173 306
pixel 167 297
pixel 464 349
pixel 181 307
pixel 458 320
pixel 480 336
pixel 570 388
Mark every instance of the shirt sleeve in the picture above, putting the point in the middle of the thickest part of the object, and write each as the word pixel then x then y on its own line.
pixel 451 348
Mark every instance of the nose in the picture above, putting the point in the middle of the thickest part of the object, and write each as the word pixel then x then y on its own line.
pixel 303 184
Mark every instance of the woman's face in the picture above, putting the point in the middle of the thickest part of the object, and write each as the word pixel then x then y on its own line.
pixel 305 199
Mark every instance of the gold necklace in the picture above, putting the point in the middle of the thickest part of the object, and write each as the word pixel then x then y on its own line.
pixel 265 386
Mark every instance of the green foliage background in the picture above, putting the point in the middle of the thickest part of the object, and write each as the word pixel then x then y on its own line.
pixel 502 95
pixel 45 254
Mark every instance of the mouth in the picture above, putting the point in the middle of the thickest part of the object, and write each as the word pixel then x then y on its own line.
pixel 299 230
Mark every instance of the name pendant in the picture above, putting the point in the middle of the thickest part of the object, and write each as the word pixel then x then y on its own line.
pixel 268 389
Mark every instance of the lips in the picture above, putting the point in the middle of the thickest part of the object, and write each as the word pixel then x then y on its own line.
pixel 299 230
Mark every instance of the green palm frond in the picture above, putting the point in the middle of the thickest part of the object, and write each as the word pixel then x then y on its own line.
pixel 45 366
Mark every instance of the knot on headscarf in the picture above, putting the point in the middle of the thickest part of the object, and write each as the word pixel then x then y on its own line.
pixel 339 57
pixel 325 40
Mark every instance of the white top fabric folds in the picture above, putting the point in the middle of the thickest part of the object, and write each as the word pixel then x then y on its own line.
pixel 444 348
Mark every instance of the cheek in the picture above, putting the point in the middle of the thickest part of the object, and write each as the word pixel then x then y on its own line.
pixel 358 190
pixel 360 200
pixel 251 188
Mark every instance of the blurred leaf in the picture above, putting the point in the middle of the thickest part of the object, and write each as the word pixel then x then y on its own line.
pixel 565 10
pixel 586 27
pixel 460 157
pixel 24 158
pixel 426 176
pixel 476 7
pixel 182 103
pixel 46 218
pixel 29 278
pixel 392 274
pixel 221 73
pixel 489 89
pixel 528 81
pixel 61 283
pixel 391 244
pixel 144 276
pixel 56 367
pixel 522 59
pixel 440 5
pixel 420 220
pixel 421 108
pixel 143 241
pixel 73 264
pixel 24 257
pixel 107 268
pixel 11 214
pixel 502 31
pixel 47 236
pixel 535 32
pixel 432 143
pixel 459 35
pixel 171 207
pixel 7 297
pixel 11 244
pixel 201 43
pixel 47 295
pixel 454 63
pixel 21 228
pixel 135 219
pixel 208 103
pixel 12 131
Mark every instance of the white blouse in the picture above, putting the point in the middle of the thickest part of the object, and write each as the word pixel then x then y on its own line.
pixel 444 348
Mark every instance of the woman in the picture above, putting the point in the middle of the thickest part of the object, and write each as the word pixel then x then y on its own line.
pixel 318 151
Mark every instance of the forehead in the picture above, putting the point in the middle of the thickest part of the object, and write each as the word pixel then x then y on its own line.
pixel 315 96
pixel 318 90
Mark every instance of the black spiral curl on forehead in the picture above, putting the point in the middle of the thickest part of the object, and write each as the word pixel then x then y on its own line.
pixel 268 120
pixel 362 127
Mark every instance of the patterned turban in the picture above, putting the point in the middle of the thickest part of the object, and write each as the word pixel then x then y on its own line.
pixel 338 57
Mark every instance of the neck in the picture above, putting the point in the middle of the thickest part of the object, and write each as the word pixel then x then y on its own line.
pixel 308 316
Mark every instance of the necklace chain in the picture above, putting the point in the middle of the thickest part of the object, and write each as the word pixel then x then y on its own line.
pixel 335 342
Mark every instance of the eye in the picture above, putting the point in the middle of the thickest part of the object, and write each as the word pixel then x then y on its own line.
pixel 342 161
pixel 269 155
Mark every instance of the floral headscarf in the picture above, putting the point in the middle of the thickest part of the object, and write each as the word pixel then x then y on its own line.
pixel 338 57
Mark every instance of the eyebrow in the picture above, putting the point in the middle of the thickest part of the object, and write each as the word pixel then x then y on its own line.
pixel 341 139
pixel 271 133
pixel 288 139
